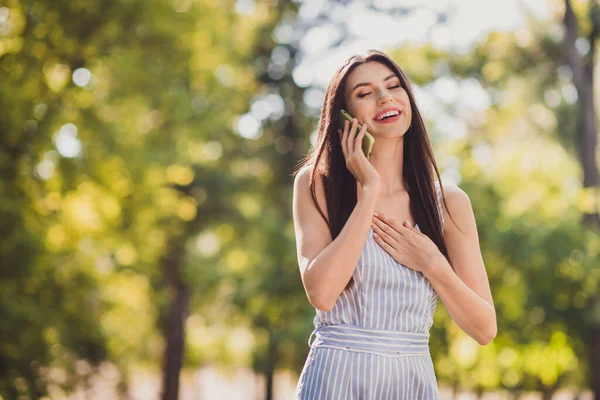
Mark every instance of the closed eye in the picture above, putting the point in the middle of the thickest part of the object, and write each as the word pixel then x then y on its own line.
pixel 365 94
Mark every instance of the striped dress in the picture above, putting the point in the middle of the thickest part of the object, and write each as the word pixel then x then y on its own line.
pixel 374 343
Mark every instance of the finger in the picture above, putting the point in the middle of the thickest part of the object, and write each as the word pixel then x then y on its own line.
pixel 387 232
pixel 389 221
pixel 344 134
pixel 384 245
pixel 407 224
pixel 359 137
pixel 347 138
pixel 351 135
pixel 411 229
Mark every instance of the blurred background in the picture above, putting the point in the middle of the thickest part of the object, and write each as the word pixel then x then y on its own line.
pixel 147 245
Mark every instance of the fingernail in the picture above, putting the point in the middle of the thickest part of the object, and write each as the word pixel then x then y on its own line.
pixel 375 214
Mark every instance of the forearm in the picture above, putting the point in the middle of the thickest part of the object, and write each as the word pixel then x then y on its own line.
pixel 329 272
pixel 471 312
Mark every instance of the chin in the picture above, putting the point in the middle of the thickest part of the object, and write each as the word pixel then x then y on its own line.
pixel 392 133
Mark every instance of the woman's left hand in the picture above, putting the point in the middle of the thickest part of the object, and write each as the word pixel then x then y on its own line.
pixel 405 244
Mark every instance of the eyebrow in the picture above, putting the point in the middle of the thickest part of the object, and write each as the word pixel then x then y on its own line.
pixel 367 83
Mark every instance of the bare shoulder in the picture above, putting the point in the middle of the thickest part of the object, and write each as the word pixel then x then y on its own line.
pixel 303 176
pixel 453 193
pixel 302 188
pixel 458 205
pixel 311 229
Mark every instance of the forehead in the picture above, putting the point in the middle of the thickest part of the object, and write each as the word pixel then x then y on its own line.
pixel 371 71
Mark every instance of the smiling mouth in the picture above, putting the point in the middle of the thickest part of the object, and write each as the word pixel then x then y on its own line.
pixel 389 119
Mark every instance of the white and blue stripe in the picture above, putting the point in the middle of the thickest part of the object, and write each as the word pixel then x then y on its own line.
pixel 374 343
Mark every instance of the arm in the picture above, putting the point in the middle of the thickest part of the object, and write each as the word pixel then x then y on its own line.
pixel 326 266
pixel 466 294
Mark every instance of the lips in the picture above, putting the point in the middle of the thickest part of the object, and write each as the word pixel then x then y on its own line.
pixel 389 120
pixel 384 111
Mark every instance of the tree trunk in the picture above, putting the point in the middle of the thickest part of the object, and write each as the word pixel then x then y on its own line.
pixel 547 394
pixel 455 391
pixel 589 140
pixel 273 356
pixel 583 77
pixel 174 329
pixel 595 346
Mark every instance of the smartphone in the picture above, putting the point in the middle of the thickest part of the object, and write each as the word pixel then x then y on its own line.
pixel 368 140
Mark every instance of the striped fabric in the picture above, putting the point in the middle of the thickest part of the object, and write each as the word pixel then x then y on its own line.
pixel 374 343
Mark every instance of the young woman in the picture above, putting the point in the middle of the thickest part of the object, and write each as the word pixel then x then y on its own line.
pixel 373 249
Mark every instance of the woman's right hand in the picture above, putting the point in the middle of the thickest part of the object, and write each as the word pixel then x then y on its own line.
pixel 356 161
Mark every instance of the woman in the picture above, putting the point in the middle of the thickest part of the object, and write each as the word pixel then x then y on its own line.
pixel 373 249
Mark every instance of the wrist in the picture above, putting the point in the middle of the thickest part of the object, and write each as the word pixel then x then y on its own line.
pixel 371 188
pixel 438 267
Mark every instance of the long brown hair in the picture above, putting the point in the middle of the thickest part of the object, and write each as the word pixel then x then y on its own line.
pixel 327 159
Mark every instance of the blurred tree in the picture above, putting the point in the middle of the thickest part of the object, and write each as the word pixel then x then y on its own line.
pixel 516 72
pixel 44 283
pixel 270 293
pixel 532 105
pixel 114 122
pixel 580 56
pixel 146 160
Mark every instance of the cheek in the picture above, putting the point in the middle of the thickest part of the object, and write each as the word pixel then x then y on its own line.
pixel 407 106
pixel 409 113
pixel 351 108
pixel 357 110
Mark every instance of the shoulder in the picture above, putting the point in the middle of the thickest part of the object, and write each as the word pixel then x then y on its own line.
pixel 455 195
pixel 302 187
pixel 302 177
pixel 456 203
pixel 302 180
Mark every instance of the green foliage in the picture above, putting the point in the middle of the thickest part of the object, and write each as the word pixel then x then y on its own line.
pixel 518 164
pixel 85 232
pixel 165 171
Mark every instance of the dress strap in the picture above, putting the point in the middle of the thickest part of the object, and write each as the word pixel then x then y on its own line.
pixel 438 192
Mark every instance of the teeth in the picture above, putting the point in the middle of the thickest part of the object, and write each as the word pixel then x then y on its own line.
pixel 388 114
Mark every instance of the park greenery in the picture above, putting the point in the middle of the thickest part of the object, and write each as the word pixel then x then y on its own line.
pixel 146 170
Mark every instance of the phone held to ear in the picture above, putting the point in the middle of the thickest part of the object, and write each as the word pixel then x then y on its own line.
pixel 367 141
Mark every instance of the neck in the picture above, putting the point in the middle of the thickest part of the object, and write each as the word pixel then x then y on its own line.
pixel 387 156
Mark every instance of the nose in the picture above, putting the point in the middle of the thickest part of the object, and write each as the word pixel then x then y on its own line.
pixel 384 98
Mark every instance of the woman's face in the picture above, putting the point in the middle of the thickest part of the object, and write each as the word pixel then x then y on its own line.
pixel 371 89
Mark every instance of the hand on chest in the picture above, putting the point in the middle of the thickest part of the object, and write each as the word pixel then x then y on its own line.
pixel 405 243
pixel 396 208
